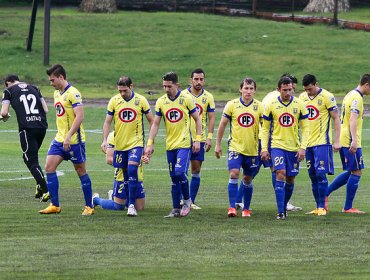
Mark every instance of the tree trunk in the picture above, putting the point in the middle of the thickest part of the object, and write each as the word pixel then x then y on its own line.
pixel 98 6
pixel 326 6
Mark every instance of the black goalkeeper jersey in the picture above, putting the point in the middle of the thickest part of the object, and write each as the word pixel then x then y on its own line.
pixel 26 102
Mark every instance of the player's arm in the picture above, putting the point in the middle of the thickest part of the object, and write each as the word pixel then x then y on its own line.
pixel 198 131
pixel 79 117
pixel 149 150
pixel 150 118
pixel 264 133
pixel 106 129
pixel 334 114
pixel 109 155
pixel 353 129
pixel 44 105
pixel 211 127
pixel 5 111
pixel 305 129
pixel 220 133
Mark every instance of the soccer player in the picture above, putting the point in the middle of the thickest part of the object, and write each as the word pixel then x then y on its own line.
pixel 127 109
pixel 350 140
pixel 176 108
pixel 206 107
pixel 244 114
pixel 69 142
pixel 287 113
pixel 110 203
pixel 322 109
pixel 30 108
pixel 268 163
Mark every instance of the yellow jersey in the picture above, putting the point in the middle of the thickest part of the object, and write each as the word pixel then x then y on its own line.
pixel 244 125
pixel 64 102
pixel 352 102
pixel 176 113
pixel 205 103
pixel 128 120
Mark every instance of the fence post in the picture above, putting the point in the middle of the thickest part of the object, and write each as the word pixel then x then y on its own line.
pixel 32 25
pixel 335 19
pixel 46 31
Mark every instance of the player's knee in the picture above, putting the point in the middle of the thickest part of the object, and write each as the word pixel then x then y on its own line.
pixel 280 175
pixel 132 172
pixel 357 172
pixel 321 178
pixel 181 177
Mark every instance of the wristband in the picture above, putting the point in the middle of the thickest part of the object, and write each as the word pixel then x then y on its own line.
pixel 198 138
pixel 210 135
pixel 150 142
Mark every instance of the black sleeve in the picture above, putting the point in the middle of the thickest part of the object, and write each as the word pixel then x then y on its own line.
pixel 36 89
pixel 6 95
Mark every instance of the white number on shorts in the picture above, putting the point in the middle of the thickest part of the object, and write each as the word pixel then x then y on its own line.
pixel 278 161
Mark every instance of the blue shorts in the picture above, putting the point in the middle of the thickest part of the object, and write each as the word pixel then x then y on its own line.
pixel 121 158
pixel 351 162
pixel 250 164
pixel 319 159
pixel 286 160
pixel 77 153
pixel 121 192
pixel 200 155
pixel 178 160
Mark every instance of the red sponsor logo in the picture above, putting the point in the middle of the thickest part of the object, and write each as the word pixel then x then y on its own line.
pixel 286 120
pixel 246 120
pixel 174 115
pixel 127 115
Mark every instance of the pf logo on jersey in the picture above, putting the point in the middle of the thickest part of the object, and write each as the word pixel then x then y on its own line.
pixel 127 115
pixel 286 120
pixel 246 120
pixel 199 108
pixel 174 115
pixel 313 112
pixel 60 109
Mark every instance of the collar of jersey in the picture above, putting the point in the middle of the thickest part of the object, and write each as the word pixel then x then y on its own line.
pixel 246 105
pixel 177 95
pixel 67 87
pixel 362 95
pixel 132 96
pixel 193 94
pixel 320 90
pixel 286 105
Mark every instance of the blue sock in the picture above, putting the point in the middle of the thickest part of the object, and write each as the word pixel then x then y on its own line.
pixel 240 194
pixel 280 196
pixel 108 204
pixel 339 181
pixel 273 179
pixel 86 189
pixel 233 191
pixel 289 188
pixel 175 192
pixel 315 188
pixel 322 190
pixel 248 192
pixel 132 183
pixel 194 186
pixel 184 185
pixel 53 187
pixel 352 186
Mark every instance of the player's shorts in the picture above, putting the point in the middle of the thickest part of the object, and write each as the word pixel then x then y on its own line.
pixel 120 176
pixel 286 160
pixel 200 155
pixel 120 190
pixel 121 158
pixel 319 159
pixel 178 160
pixel 351 162
pixel 250 164
pixel 31 140
pixel 77 153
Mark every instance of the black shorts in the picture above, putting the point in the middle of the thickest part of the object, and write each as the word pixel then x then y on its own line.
pixel 31 140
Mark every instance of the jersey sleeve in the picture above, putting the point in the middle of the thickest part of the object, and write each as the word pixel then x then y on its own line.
pixel 211 104
pixel 228 110
pixel 265 129
pixel 356 105
pixel 305 127
pixel 6 96
pixel 146 106
pixel 110 140
pixel 110 107
pixel 75 98
pixel 158 107
pixel 331 103
pixel 192 107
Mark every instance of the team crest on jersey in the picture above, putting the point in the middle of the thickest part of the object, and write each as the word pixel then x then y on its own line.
pixel 174 115
pixel 286 120
pixel 22 86
pixel 127 115
pixel 295 110
pixel 255 107
pixel 319 102
pixel 246 120
pixel 199 108
pixel 313 112
pixel 137 101
pixel 204 100
pixel 181 101
pixel 77 95
pixel 60 109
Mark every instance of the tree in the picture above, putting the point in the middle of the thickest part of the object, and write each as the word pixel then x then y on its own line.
pixel 98 6
pixel 326 6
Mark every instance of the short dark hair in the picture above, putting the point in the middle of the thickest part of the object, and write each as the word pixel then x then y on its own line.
pixel 11 78
pixel 248 81
pixel 57 70
pixel 124 81
pixel 198 71
pixel 284 81
pixel 290 76
pixel 171 77
pixel 309 79
pixel 365 79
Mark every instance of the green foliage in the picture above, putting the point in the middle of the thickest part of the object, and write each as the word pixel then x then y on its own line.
pixel 204 245
pixel 97 48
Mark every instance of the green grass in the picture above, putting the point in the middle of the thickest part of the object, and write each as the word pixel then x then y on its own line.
pixel 97 48
pixel 205 245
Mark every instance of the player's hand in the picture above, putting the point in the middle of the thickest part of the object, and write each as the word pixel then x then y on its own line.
pixel 149 150
pixel 265 155
pixel 208 144
pixel 4 119
pixel 196 147
pixel 103 146
pixel 67 143
pixel 336 147
pixel 145 159
pixel 218 151
pixel 300 154
pixel 353 147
